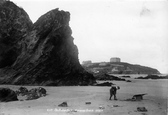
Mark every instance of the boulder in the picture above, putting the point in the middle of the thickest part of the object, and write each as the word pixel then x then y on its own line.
pixel 22 90
pixel 141 109
pixel 38 91
pixel 33 90
pixel 42 91
pixel 63 104
pixel 32 96
pixel 7 95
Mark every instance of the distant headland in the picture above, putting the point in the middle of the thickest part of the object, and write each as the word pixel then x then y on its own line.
pixel 115 66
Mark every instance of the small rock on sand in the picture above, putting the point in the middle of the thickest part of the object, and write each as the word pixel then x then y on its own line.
pixel 64 104
pixel 141 109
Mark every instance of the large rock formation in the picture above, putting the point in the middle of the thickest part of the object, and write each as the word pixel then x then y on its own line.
pixel 14 25
pixel 48 55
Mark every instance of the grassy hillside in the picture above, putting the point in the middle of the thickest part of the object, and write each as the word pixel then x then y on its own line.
pixel 120 68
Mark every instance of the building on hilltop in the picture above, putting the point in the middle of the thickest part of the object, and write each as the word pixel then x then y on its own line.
pixel 115 59
pixel 87 62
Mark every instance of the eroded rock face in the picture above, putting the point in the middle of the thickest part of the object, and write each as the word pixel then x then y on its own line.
pixel 14 25
pixel 48 55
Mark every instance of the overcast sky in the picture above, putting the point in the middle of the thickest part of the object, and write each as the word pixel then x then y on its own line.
pixel 136 31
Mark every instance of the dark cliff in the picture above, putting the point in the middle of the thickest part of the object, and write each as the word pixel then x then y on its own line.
pixel 14 25
pixel 47 55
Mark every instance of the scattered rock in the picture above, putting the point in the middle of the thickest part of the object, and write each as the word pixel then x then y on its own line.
pixel 32 96
pixel 33 93
pixel 141 109
pixel 33 90
pixel 7 95
pixel 102 76
pixel 101 107
pixel 88 103
pixel 22 91
pixel 39 91
pixel 116 106
pixel 64 104
pixel 105 84
pixel 126 76
pixel 153 77
pixel 42 91
pixel 140 77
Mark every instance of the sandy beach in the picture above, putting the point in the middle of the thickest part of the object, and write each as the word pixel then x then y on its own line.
pixel 76 97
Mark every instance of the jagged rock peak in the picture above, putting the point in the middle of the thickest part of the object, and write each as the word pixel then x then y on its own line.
pixel 47 54
pixel 55 15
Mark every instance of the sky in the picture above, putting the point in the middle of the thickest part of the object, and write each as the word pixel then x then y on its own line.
pixel 134 30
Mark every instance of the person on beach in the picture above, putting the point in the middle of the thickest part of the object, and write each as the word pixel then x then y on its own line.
pixel 113 91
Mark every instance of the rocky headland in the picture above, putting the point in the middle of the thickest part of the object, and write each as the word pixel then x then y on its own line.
pixel 42 53
pixel 119 68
